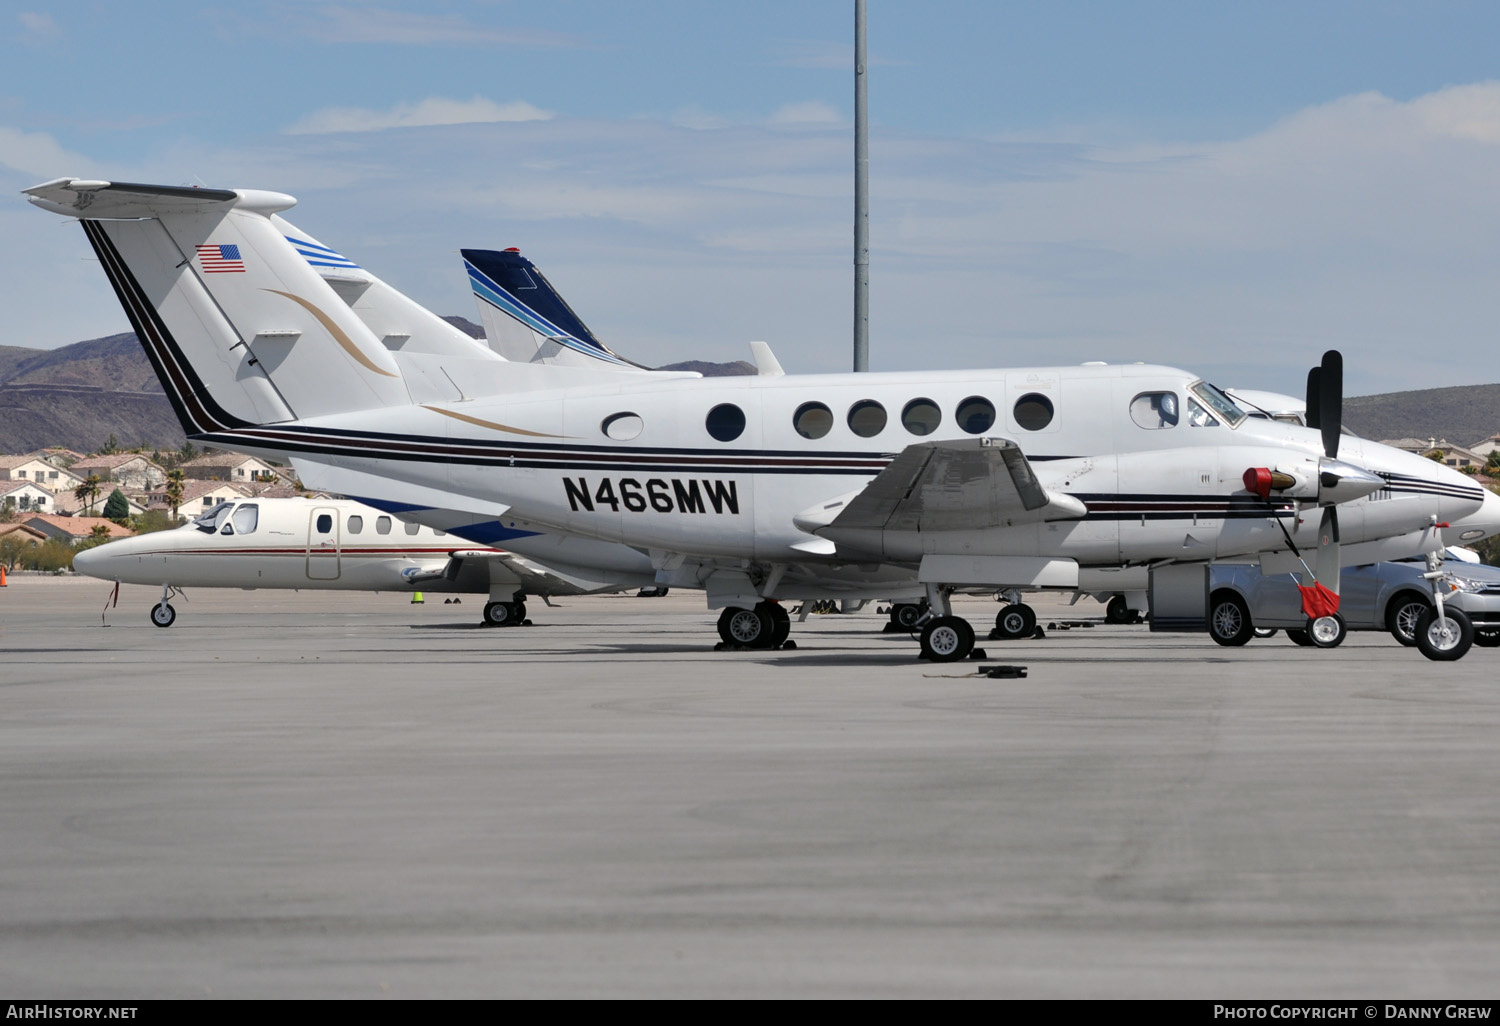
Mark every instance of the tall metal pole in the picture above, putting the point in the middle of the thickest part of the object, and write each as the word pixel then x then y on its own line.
pixel 861 196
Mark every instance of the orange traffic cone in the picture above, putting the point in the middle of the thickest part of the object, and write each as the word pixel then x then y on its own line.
pixel 2 575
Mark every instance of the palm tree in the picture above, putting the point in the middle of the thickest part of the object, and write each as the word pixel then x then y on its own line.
pixel 88 493
pixel 175 479
pixel 1492 465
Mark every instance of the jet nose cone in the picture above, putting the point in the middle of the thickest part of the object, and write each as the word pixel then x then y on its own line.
pixel 1476 526
pixel 94 562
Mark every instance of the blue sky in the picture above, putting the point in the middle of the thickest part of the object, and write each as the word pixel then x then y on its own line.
pixel 1227 187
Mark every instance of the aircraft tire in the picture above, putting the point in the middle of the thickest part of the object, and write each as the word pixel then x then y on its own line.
pixel 1327 631
pixel 781 622
pixel 1487 639
pixel 1297 636
pixel 746 628
pixel 1402 616
pixel 1447 639
pixel 1229 620
pixel 906 614
pixel 1118 611
pixel 163 615
pixel 503 614
pixel 947 639
pixel 1014 622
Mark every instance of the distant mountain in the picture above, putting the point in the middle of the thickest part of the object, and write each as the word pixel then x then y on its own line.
pixel 712 370
pixel 1464 414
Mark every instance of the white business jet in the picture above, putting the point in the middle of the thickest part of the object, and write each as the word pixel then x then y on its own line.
pixel 323 544
pixel 752 489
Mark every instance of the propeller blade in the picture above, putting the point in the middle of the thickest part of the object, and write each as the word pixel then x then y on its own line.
pixel 1327 564
pixel 1314 398
pixel 1331 401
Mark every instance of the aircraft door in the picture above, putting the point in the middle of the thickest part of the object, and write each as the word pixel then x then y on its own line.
pixel 323 544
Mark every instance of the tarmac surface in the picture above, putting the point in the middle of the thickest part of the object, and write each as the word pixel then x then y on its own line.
pixel 322 795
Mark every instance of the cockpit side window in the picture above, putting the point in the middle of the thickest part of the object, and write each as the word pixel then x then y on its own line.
pixel 246 517
pixel 1199 417
pixel 1222 406
pixel 1154 410
pixel 208 520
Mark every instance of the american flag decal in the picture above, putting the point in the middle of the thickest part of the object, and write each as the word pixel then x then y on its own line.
pixel 220 259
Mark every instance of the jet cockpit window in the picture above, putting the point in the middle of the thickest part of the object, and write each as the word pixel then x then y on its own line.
pixel 867 418
pixel 921 417
pixel 382 525
pixel 812 420
pixel 208 520
pixel 356 523
pixel 1218 402
pixel 246 517
pixel 976 415
pixel 1199 417
pixel 1154 410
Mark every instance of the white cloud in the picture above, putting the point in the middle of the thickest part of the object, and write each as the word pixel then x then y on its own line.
pixel 810 112
pixel 39 155
pixel 38 24
pixel 432 111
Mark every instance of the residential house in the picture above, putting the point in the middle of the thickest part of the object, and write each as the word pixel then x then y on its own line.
pixel 1452 455
pixel 229 466
pixel 34 468
pixel 21 531
pixel 127 469
pixel 1486 446
pixel 74 529
pixel 26 496
pixel 198 496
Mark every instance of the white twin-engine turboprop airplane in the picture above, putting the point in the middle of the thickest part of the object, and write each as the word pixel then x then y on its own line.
pixel 753 489
pixel 322 544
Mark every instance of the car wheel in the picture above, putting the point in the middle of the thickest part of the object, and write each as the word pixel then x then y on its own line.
pixel 1488 639
pixel 1444 638
pixel 1403 615
pixel 1229 620
pixel 1265 632
pixel 1298 636
pixel 1327 631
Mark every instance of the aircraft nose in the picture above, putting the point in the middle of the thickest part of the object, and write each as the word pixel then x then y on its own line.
pixel 1478 525
pixel 94 562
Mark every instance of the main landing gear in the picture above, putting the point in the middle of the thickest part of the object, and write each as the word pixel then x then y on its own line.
pixel 506 614
pixel 763 627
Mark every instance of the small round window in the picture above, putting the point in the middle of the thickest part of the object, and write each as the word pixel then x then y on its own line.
pixel 622 427
pixel 726 422
pixel 1033 411
pixel 813 420
pixel 867 418
pixel 921 417
pixel 976 415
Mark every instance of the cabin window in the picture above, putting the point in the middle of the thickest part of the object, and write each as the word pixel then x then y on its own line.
pixel 246 517
pixel 413 528
pixel 1033 411
pixel 622 427
pixel 1154 410
pixel 921 417
pixel 813 420
pixel 325 523
pixel 867 418
pixel 356 524
pixel 382 525
pixel 439 534
pixel 726 422
pixel 976 415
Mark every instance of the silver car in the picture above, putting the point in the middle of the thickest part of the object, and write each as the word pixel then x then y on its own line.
pixel 1393 597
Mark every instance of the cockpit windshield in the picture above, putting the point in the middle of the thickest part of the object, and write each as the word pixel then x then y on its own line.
pixel 1218 402
pixel 210 518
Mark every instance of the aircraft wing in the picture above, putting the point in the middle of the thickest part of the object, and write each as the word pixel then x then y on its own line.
pixel 959 484
pixel 508 568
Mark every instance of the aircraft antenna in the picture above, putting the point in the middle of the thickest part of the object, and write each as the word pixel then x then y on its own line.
pixel 861 196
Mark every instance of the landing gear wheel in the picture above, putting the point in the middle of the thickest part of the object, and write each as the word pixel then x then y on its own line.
pixel 1229 620
pixel 1403 616
pixel 1489 639
pixel 1118 611
pixel 1265 632
pixel 1298 636
pixel 1327 631
pixel 947 639
pixel 1444 639
pixel 504 614
pixel 746 628
pixel 1012 622
pixel 781 622
pixel 906 614
pixel 163 615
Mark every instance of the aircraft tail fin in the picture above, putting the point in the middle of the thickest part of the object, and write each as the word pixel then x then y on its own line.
pixel 240 328
pixel 525 318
